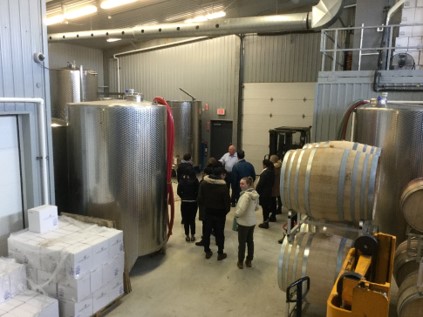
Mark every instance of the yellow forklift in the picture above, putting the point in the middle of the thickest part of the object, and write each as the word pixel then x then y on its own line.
pixel 363 286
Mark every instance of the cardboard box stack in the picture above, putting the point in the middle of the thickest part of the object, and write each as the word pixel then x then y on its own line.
pixel 16 300
pixel 80 264
pixel 410 33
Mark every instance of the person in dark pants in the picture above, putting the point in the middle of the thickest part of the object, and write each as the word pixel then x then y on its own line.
pixel 208 170
pixel 245 214
pixel 264 188
pixel 228 160
pixel 241 169
pixel 276 195
pixel 188 191
pixel 213 194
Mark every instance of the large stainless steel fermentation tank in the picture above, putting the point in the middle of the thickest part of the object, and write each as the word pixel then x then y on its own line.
pixel 186 115
pixel 117 169
pixel 398 130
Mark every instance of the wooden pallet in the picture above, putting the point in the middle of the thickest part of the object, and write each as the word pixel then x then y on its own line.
pixel 108 308
pixel 127 288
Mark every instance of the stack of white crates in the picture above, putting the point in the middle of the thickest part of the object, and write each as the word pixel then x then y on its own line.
pixel 410 33
pixel 80 264
pixel 16 300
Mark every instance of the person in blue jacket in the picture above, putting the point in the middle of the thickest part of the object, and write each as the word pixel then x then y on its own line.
pixel 241 169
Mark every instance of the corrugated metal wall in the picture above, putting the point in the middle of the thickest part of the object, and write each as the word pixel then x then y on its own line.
pixel 208 70
pixel 205 69
pixel 62 53
pixel 21 35
pixel 336 91
pixel 282 58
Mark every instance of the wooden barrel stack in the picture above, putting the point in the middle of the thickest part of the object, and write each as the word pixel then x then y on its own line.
pixel 333 182
pixel 408 253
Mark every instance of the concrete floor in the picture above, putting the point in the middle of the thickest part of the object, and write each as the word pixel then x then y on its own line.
pixel 181 282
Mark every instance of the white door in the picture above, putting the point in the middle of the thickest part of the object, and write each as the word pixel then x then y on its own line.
pixel 11 210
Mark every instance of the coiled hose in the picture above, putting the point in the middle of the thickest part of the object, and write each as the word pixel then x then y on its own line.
pixel 170 136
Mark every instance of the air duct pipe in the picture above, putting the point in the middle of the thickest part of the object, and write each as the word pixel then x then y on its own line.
pixel 322 15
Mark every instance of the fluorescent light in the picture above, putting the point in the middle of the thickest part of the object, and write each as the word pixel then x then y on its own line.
pixel 80 12
pixel 110 4
pixel 203 18
pixel 112 39
pixel 55 19
pixel 216 15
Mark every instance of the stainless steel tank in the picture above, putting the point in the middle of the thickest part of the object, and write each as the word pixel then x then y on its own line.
pixel 398 130
pixel 60 163
pixel 186 115
pixel 117 169
pixel 71 84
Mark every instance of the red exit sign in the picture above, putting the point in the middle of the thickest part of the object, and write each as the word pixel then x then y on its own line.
pixel 220 111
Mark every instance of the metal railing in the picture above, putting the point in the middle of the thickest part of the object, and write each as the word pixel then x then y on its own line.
pixel 335 47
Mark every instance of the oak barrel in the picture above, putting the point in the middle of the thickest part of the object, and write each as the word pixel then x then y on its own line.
pixel 317 255
pixel 342 144
pixel 332 184
pixel 410 301
pixel 412 204
pixel 405 261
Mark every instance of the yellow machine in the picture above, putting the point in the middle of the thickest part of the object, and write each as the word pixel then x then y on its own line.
pixel 364 283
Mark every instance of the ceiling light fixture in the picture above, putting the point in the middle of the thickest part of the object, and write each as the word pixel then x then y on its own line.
pixel 55 19
pixel 203 18
pixel 110 4
pixel 113 39
pixel 80 12
pixel 71 14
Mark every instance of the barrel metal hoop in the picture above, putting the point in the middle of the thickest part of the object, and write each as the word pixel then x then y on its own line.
pixel 288 185
pixel 364 172
pixel 354 181
pixel 282 180
pixel 307 182
pixel 306 254
pixel 281 269
pixel 341 184
pixel 372 182
pixel 297 173
pixel 340 256
pixel 355 146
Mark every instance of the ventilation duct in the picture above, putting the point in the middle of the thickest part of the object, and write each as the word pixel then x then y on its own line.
pixel 323 14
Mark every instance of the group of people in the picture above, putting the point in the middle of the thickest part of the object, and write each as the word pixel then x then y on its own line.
pixel 212 197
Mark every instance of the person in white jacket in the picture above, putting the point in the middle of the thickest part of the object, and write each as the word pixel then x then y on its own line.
pixel 245 214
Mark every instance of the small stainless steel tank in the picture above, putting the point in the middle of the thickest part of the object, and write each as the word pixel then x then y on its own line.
pixel 117 169
pixel 71 84
pixel 186 115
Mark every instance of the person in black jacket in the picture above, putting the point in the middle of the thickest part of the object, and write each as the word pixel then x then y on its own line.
pixel 264 188
pixel 184 167
pixel 213 195
pixel 188 191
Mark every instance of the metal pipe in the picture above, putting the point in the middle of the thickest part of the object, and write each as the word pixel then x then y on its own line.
pixel 42 137
pixel 322 15
pixel 392 10
pixel 240 91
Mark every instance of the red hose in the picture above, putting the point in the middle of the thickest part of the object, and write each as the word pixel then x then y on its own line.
pixel 170 133
pixel 344 122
